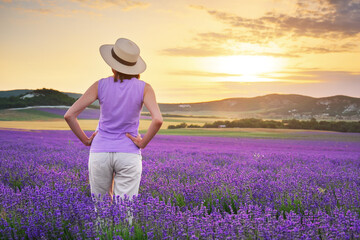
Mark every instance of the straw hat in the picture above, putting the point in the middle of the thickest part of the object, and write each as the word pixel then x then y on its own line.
pixel 123 56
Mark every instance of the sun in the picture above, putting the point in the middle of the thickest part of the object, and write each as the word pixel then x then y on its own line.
pixel 246 65
pixel 246 68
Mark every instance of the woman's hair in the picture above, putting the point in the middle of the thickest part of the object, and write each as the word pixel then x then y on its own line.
pixel 121 76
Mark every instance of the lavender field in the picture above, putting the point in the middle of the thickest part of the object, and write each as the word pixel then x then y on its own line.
pixel 88 113
pixel 192 187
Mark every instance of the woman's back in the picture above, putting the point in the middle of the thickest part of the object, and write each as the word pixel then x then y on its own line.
pixel 115 161
pixel 120 108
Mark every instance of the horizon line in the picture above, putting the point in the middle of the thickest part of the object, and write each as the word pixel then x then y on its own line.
pixel 215 100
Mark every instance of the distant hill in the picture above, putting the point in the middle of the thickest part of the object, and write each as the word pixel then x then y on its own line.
pixel 37 97
pixel 276 106
pixel 269 106
pixel 19 92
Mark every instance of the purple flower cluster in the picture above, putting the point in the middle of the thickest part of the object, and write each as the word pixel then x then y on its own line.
pixel 88 113
pixel 191 188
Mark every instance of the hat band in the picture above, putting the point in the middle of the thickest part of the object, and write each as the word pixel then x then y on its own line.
pixel 120 60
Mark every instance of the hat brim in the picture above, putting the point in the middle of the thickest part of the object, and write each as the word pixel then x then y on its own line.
pixel 139 67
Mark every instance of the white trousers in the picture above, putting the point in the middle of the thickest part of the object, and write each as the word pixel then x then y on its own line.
pixel 115 173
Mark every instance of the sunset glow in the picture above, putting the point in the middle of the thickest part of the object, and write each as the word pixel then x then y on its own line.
pixel 245 68
pixel 194 50
pixel 247 65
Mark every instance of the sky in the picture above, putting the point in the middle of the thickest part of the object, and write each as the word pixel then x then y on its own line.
pixel 199 50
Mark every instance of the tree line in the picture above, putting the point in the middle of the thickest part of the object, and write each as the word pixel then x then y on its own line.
pixel 312 124
pixel 40 97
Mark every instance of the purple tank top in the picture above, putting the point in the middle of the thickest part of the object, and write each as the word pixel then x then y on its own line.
pixel 120 107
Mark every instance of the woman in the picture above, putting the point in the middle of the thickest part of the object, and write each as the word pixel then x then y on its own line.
pixel 115 161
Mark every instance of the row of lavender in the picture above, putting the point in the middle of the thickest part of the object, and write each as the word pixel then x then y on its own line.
pixel 191 188
pixel 88 113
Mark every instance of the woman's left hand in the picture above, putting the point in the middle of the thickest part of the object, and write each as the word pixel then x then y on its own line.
pixel 89 140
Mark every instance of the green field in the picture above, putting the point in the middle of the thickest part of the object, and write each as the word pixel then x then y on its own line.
pixel 26 115
pixel 263 133
pixel 218 133
pixel 37 120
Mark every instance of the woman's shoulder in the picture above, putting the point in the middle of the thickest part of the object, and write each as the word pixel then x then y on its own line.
pixel 139 82
pixel 106 79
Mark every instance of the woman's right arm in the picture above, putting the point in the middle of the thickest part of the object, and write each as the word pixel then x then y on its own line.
pixel 157 120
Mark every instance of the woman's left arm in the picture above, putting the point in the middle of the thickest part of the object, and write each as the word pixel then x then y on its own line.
pixel 71 115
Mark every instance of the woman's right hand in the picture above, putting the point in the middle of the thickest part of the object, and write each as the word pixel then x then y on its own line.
pixel 89 140
pixel 137 140
pixel 156 118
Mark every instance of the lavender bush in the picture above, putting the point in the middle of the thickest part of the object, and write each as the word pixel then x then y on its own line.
pixel 191 188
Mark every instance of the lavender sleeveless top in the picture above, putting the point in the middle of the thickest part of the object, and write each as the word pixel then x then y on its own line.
pixel 120 107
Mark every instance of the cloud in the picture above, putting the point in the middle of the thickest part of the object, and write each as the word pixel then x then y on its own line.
pixel 292 77
pixel 316 27
pixel 204 74
pixel 69 7
pixel 236 35
pixel 272 54
pixel 320 18
pixel 297 76
pixel 315 75
pixel 37 10
pixel 310 82
pixel 331 48
pixel 196 51
pixel 56 11
pixel 126 5
pixel 208 51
